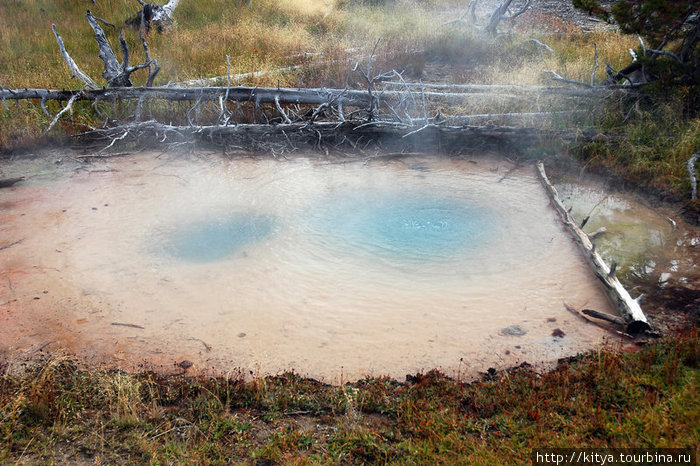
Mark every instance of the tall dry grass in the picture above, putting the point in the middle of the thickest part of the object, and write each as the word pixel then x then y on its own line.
pixel 260 37
pixel 271 34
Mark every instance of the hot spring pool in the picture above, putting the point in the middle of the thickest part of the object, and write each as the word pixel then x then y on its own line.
pixel 333 269
pixel 214 239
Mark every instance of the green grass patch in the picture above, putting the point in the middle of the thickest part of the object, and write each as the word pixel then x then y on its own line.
pixel 53 411
pixel 658 139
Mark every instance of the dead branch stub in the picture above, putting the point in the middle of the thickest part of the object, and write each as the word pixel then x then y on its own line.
pixel 153 16
pixel 490 28
pixel 117 74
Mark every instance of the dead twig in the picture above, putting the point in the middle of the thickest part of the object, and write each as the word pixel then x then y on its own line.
pixel 9 182
pixel 67 108
pixel 603 316
pixel 119 324
pixel 540 45
pixel 206 347
pixel 576 312
pixel 8 246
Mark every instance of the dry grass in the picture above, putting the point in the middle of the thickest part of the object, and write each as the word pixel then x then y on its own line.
pixel 572 58
pixel 257 38
pixel 409 35
pixel 271 34
pixel 54 412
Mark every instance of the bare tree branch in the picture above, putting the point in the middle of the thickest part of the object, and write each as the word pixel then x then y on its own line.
pixel 668 54
pixel 557 77
pixel 540 45
pixel 500 13
pixel 153 67
pixel 693 177
pixel 76 72
pixel 67 108
pixel 169 7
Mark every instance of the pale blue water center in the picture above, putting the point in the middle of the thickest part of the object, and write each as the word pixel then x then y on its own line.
pixel 218 238
pixel 404 226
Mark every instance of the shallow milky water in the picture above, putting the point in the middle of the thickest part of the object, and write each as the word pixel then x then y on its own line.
pixel 335 270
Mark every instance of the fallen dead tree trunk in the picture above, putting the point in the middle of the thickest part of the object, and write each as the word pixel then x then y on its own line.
pixel 488 118
pixel 242 94
pixel 302 96
pixel 493 88
pixel 628 308
pixel 236 78
pixel 349 136
pixel 9 182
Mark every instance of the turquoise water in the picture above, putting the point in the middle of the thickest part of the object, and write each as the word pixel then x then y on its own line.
pixel 403 226
pixel 216 239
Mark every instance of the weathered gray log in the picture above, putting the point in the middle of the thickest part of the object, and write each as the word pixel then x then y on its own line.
pixel 117 74
pixel 309 96
pixel 496 88
pixel 628 308
pixel 169 8
pixel 485 118
pixel 584 315
pixel 491 26
pixel 540 45
pixel 557 77
pixel 114 72
pixel 241 94
pixel 603 316
pixel 202 82
pixel 9 182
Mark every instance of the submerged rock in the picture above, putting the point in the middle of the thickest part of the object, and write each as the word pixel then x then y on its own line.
pixel 514 331
pixel 558 333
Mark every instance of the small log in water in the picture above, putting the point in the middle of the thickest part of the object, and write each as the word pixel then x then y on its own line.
pixel 628 308
pixel 9 182
pixel 603 316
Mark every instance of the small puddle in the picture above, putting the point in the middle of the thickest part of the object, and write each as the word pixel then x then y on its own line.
pixel 643 241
